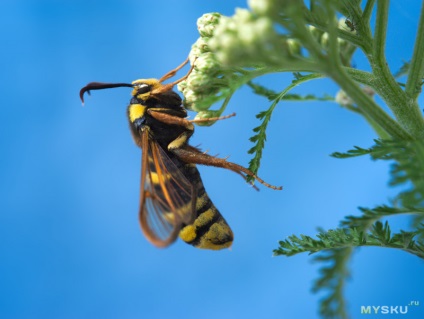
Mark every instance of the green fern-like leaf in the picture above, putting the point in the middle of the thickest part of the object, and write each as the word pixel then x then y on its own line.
pixel 335 248
pixel 263 91
pixel 369 216
pixel 407 168
pixel 379 235
pixel 265 116
pixel 332 280
pixel 357 151
pixel 272 95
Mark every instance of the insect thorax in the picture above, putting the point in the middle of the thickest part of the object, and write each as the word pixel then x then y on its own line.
pixel 167 102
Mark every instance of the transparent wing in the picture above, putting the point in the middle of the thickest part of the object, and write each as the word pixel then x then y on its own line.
pixel 167 198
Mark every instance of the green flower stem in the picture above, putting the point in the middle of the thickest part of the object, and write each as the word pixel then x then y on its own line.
pixel 225 103
pixel 360 76
pixel 297 65
pixel 416 70
pixel 368 79
pixel 368 107
pixel 368 12
pixel 382 123
pixel 405 110
pixel 334 50
pixel 377 128
pixel 296 24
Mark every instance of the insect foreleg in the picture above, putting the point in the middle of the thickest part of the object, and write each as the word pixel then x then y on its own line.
pixel 160 115
pixel 175 120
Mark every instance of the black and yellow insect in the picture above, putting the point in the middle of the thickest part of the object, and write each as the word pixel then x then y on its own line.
pixel 173 200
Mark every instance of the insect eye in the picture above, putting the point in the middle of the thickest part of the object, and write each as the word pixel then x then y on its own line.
pixel 143 88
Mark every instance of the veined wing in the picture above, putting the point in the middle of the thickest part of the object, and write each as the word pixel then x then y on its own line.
pixel 167 198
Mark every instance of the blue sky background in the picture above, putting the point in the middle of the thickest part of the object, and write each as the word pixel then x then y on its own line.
pixel 70 241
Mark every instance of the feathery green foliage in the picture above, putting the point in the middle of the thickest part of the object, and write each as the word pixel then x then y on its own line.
pixel 336 248
pixel 407 167
pixel 265 116
pixel 378 235
pixel 311 40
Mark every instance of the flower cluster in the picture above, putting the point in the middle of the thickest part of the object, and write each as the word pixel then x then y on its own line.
pixel 208 76
pixel 230 49
pixel 246 38
pixel 225 48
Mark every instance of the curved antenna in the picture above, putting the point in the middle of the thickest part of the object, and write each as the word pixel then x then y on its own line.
pixel 169 86
pixel 172 73
pixel 100 86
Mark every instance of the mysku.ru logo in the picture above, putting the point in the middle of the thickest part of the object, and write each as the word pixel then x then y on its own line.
pixel 388 310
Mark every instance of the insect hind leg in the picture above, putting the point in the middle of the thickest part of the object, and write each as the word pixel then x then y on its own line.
pixel 192 155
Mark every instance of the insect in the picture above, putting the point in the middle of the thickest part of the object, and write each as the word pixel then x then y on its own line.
pixel 173 200
pixel 350 25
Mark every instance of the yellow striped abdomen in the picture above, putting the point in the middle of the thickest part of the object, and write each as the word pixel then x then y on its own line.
pixel 209 230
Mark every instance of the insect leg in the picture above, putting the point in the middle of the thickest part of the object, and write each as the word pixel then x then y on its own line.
pixel 161 114
pixel 192 155
pixel 174 120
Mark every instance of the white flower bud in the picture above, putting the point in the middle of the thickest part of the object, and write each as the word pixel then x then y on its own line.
pixel 343 99
pixel 198 48
pixel 246 39
pixel 207 63
pixel 194 102
pixel 207 22
pixel 182 86
pixel 261 7
pixel 198 81
pixel 325 39
pixel 190 97
pixel 294 47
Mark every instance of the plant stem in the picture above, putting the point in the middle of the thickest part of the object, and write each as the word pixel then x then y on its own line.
pixel 368 106
pixel 379 119
pixel 416 70
pixel 402 108
pixel 368 11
